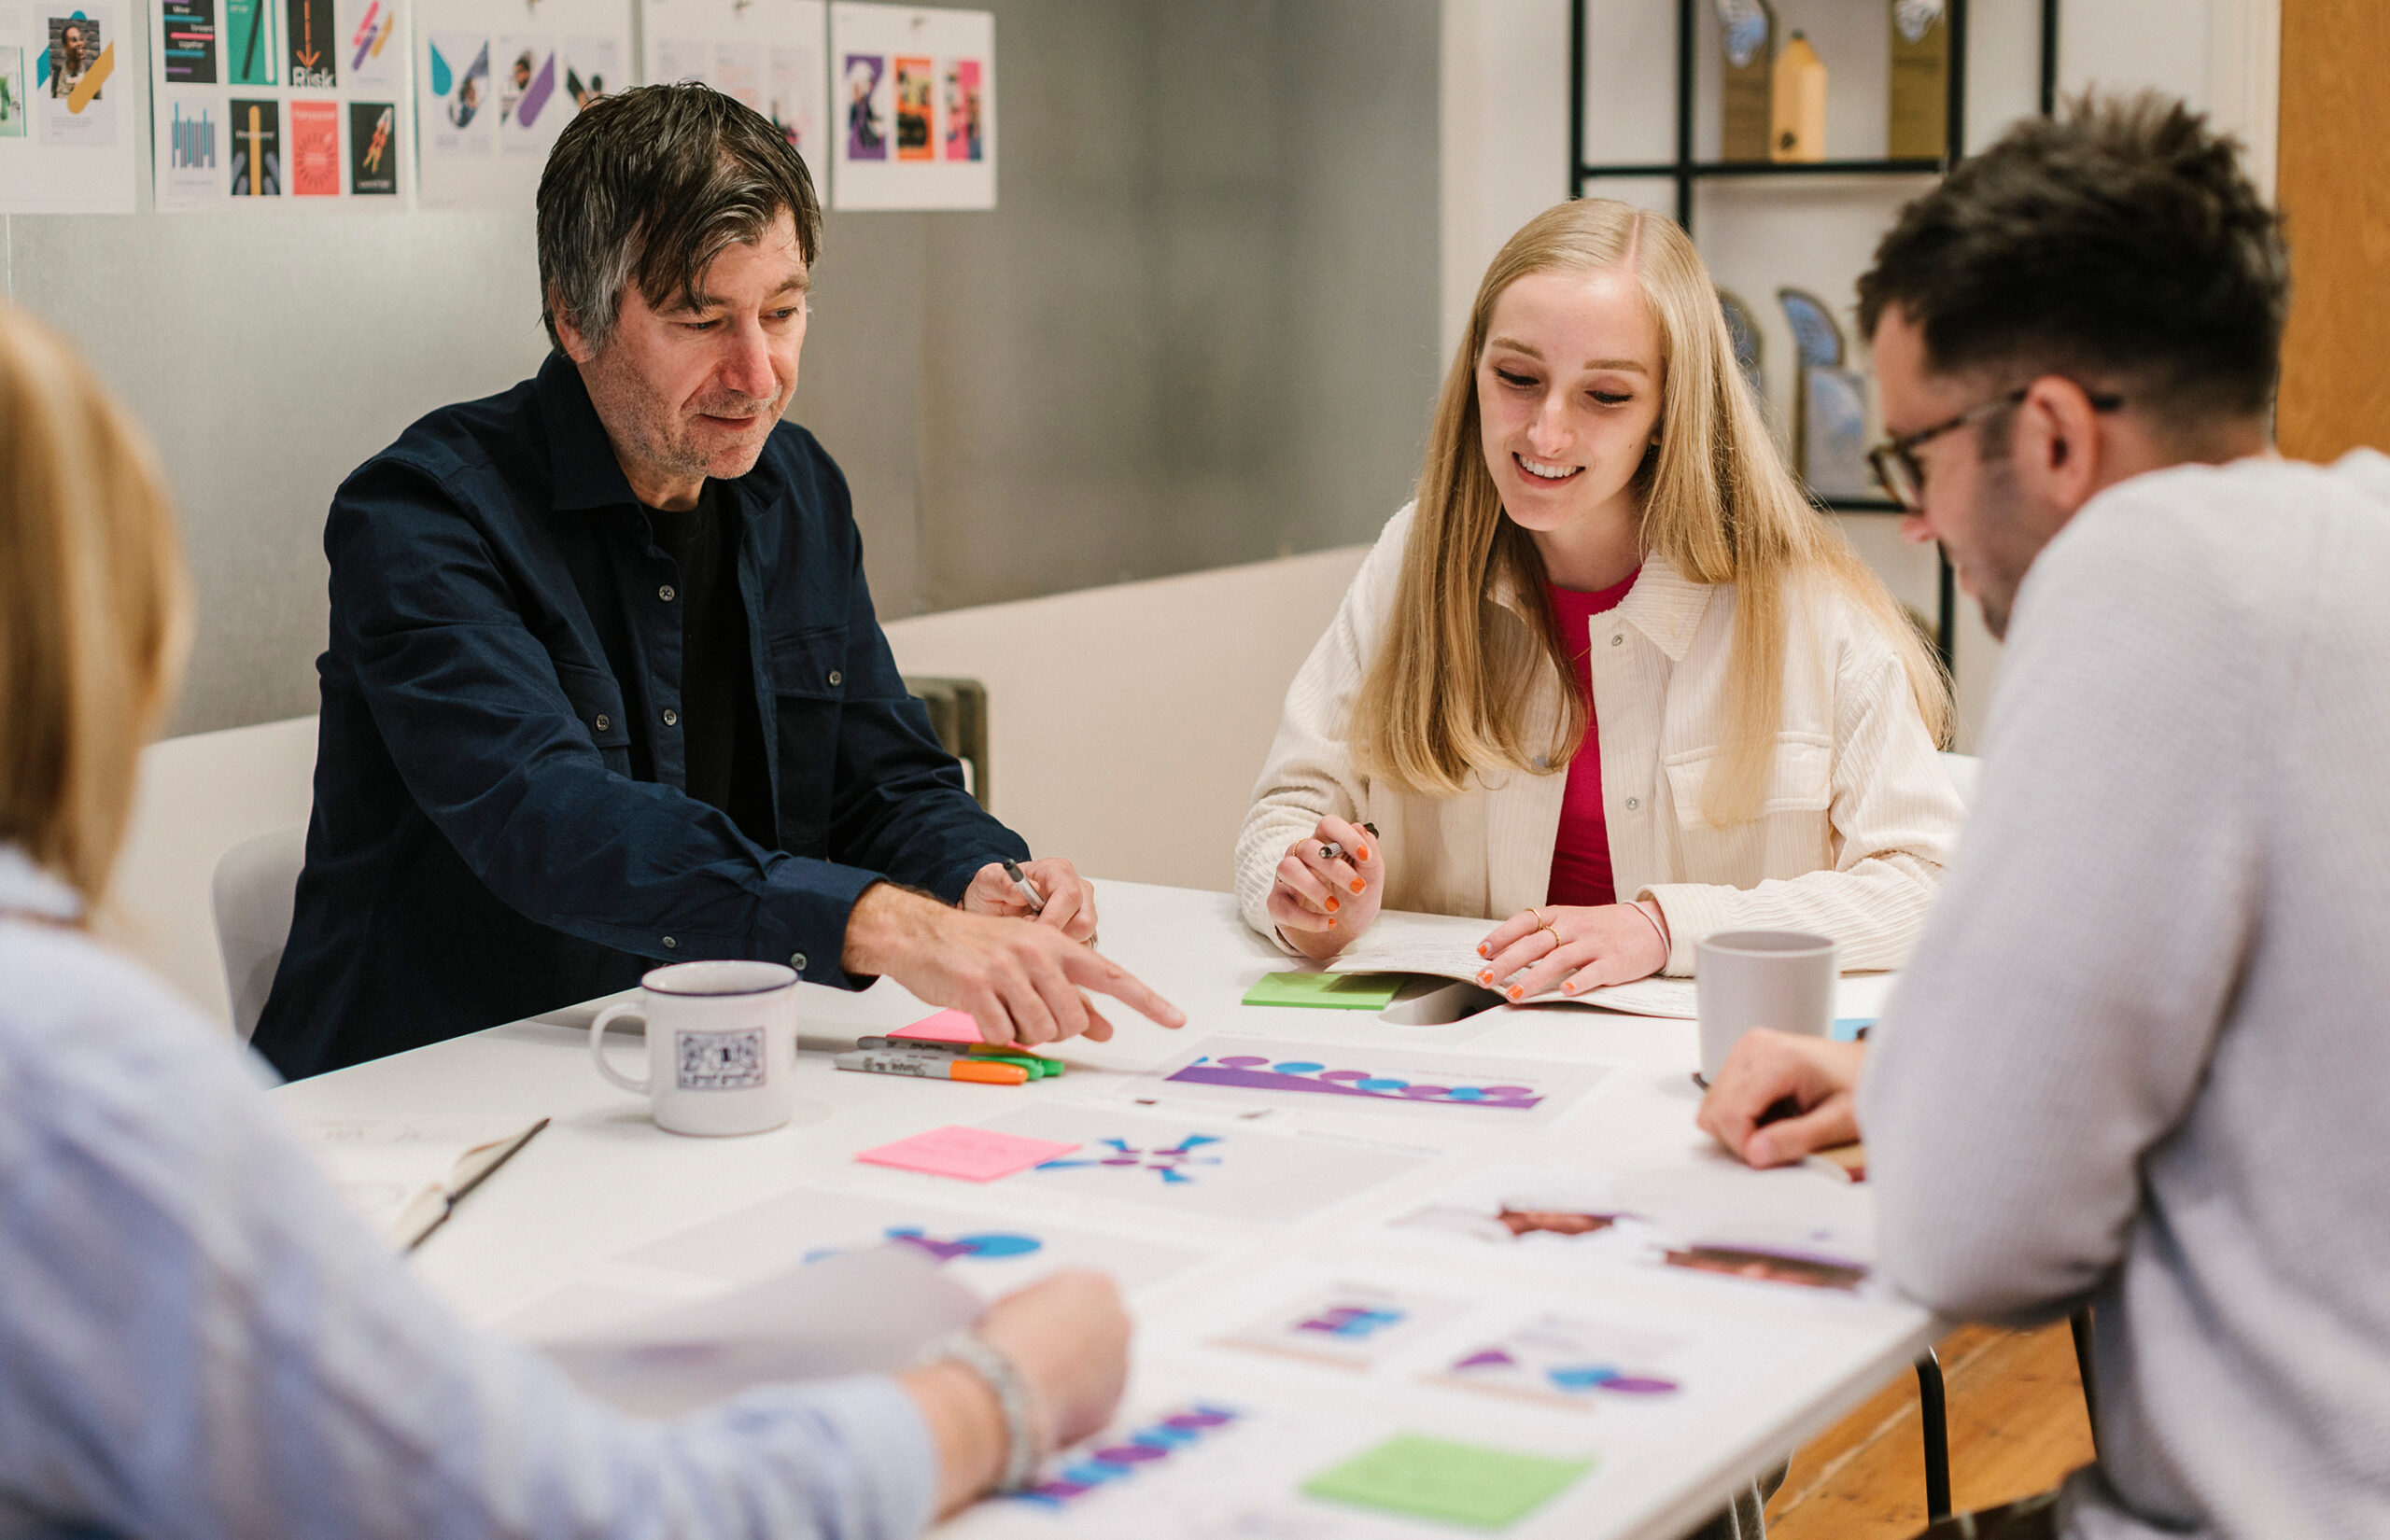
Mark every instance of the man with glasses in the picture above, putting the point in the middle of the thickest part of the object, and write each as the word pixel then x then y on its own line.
pixel 2137 1059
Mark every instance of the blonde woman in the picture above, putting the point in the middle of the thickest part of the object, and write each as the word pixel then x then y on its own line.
pixel 196 1337
pixel 1610 679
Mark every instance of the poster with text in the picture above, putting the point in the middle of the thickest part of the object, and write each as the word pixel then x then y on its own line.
pixel 913 108
pixel 497 80
pixel 770 54
pixel 66 109
pixel 277 104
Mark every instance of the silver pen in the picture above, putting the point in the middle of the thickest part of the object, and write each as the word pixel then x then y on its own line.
pixel 1330 850
pixel 1020 882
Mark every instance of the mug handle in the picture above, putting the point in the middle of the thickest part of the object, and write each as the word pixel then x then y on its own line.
pixel 598 1046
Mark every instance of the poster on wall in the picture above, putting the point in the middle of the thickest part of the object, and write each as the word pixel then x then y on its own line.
pixel 68 114
pixel 497 80
pixel 768 53
pixel 278 103
pixel 913 108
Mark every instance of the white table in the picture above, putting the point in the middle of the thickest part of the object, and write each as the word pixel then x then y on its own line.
pixel 603 1176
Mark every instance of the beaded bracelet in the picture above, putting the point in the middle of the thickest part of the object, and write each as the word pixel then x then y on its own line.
pixel 1023 1446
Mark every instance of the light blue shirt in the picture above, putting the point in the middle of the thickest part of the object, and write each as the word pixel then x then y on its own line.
pixel 197 1337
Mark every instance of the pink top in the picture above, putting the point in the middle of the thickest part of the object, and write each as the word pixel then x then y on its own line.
pixel 1581 853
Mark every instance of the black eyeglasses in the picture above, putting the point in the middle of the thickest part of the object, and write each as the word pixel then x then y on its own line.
pixel 1894 460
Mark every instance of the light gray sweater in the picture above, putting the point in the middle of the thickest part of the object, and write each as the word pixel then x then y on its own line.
pixel 2142 1055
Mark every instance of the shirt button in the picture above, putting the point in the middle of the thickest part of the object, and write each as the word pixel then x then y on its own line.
pixel 670 946
pixel 837 678
pixel 796 960
pixel 665 593
pixel 671 718
pixel 1632 805
pixel 604 721
pixel 1618 639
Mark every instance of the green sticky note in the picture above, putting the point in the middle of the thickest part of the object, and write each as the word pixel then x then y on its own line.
pixel 1327 992
pixel 1455 1483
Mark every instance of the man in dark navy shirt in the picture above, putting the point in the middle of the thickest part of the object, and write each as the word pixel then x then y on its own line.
pixel 605 688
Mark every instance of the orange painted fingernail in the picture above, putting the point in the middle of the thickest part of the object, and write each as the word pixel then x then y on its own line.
pixel 1485 975
pixel 1361 886
pixel 1331 903
pixel 1569 988
pixel 1516 991
pixel 1482 950
pixel 1363 852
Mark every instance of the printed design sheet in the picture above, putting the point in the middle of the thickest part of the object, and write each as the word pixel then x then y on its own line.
pixel 912 104
pixel 280 103
pixel 1228 1171
pixel 770 54
pixel 1480 1089
pixel 990 1253
pixel 497 80
pixel 70 107
pixel 1789 1228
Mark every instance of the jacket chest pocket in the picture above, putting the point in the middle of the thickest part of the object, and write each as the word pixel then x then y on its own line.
pixel 598 703
pixel 809 692
pixel 1792 833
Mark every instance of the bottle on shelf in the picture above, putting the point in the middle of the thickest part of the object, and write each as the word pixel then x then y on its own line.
pixel 1798 101
pixel 1918 121
pixel 1746 114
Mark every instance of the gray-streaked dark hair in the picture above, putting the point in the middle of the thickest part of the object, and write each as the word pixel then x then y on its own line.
pixel 649 186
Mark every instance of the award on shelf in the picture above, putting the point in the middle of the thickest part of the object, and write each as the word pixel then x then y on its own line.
pixel 1742 329
pixel 1918 121
pixel 1829 403
pixel 1798 102
pixel 1747 30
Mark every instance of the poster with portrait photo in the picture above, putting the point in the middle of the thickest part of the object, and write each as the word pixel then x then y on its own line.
pixel 78 70
pixel 498 80
pixel 914 127
pixel 63 146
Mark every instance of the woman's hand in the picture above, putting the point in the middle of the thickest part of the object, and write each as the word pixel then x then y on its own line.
pixel 1578 949
pixel 1320 903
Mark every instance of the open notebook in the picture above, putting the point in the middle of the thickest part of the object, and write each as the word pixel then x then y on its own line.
pixel 406 1174
pixel 1445 947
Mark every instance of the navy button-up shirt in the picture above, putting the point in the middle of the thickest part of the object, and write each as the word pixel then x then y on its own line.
pixel 500 826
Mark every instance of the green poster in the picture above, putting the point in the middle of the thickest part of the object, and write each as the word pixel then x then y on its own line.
pixel 251 44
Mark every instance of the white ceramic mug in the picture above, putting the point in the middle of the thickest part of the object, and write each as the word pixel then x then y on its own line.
pixel 1742 979
pixel 721 1046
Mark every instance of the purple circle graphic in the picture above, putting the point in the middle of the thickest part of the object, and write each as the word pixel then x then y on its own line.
pixel 1346 1074
pixel 1130 1454
pixel 1422 1092
pixel 1243 1062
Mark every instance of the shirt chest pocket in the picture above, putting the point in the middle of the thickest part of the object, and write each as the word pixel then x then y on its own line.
pixel 597 704
pixel 808 690
pixel 1793 832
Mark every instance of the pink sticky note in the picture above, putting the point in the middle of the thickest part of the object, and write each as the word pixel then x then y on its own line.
pixel 974 1154
pixel 944 1026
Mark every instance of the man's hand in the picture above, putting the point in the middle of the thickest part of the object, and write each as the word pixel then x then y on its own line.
pixel 1817 1077
pixel 1070 900
pixel 1021 983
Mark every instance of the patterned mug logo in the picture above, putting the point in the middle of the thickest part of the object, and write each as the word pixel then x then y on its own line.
pixel 722 1061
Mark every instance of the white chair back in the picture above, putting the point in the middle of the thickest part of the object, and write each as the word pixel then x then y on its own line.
pixel 256 885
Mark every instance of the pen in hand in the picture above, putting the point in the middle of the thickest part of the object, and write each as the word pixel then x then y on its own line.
pixel 1028 895
pixel 1333 849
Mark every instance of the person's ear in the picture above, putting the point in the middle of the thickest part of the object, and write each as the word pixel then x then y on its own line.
pixel 2054 445
pixel 575 340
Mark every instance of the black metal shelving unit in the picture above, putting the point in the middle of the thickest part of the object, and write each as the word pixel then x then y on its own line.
pixel 1686 172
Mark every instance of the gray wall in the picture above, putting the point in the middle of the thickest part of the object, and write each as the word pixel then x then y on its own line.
pixel 1199 328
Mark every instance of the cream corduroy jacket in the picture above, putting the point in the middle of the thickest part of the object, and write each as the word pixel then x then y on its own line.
pixel 1859 820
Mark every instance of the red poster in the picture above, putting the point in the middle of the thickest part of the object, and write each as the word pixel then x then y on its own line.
pixel 315 149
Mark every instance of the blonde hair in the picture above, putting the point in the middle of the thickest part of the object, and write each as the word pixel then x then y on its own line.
pixel 94 607
pixel 1441 701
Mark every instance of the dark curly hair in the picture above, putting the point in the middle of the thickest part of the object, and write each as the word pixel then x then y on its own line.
pixel 649 186
pixel 2121 240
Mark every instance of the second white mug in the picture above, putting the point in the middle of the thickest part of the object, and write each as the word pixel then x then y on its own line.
pixel 1742 979
pixel 721 1046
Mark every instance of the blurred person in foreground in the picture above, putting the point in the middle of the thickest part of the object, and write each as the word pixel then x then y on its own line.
pixel 196 1336
pixel 2137 1060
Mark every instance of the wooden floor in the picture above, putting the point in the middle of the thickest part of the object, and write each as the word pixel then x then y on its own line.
pixel 2016 1427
